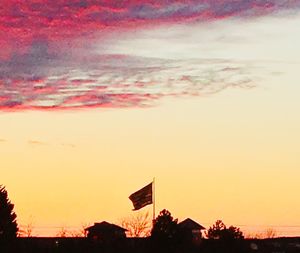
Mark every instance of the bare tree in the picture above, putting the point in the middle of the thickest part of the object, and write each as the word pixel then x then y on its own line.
pixel 63 232
pixel 138 225
pixel 270 233
pixel 254 235
pixel 29 227
pixel 79 232
pixel 266 234
pixel 75 233
pixel 27 230
pixel 83 227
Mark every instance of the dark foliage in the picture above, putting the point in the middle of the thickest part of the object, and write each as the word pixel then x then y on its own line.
pixel 8 222
pixel 220 231
pixel 164 226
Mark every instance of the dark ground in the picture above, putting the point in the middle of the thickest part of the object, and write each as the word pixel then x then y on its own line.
pixel 148 245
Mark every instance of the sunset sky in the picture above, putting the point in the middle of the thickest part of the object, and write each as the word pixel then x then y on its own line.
pixel 97 97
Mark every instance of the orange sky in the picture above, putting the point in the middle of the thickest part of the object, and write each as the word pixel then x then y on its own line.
pixel 219 157
pixel 232 155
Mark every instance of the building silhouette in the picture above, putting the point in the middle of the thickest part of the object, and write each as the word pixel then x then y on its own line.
pixel 105 231
pixel 191 230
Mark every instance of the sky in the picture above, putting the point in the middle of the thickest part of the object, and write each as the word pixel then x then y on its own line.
pixel 99 97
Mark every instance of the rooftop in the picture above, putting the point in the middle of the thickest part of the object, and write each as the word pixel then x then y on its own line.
pixel 190 224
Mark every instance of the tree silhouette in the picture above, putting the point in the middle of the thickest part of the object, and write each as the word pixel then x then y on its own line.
pixel 138 225
pixel 27 229
pixel 220 231
pixel 164 226
pixel 8 222
pixel 62 232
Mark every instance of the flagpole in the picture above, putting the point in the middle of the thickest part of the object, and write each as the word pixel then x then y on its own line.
pixel 153 198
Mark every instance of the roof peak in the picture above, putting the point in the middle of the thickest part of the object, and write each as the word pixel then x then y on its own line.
pixel 105 225
pixel 190 224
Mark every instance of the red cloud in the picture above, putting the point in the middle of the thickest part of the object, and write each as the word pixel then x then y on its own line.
pixel 39 38
pixel 131 82
pixel 61 20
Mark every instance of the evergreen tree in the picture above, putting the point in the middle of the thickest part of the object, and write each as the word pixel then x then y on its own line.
pixel 220 231
pixel 8 222
pixel 164 226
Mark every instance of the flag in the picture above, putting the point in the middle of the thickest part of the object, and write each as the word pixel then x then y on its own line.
pixel 142 197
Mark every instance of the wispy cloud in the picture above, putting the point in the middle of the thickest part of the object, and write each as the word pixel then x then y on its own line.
pixel 68 145
pixel 47 57
pixel 119 81
pixel 37 143
pixel 3 140
pixel 42 143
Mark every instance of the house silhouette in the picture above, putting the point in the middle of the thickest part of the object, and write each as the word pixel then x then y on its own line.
pixel 191 230
pixel 105 231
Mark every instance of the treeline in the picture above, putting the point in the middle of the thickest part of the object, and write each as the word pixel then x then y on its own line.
pixel 165 236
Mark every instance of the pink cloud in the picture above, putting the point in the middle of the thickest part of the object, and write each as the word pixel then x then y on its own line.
pixel 46 61
pixel 22 22
pixel 131 82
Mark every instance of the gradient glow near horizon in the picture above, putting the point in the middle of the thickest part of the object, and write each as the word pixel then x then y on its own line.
pixel 98 97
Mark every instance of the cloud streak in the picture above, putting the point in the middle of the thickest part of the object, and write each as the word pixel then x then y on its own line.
pixel 118 81
pixel 47 59
pixel 21 22
pixel 37 143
